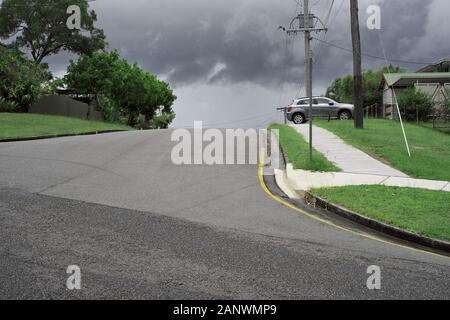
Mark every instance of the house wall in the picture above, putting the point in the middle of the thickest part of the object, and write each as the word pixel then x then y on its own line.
pixel 432 89
pixel 387 101
pixel 389 106
pixel 440 91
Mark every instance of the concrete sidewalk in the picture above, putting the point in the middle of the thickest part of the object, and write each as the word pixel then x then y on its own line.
pixel 344 156
pixel 301 180
pixel 358 168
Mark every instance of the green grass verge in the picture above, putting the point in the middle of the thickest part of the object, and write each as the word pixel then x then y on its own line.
pixel 21 125
pixel 297 151
pixel 421 211
pixel 383 139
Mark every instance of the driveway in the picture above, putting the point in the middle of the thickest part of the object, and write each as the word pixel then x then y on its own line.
pixel 141 227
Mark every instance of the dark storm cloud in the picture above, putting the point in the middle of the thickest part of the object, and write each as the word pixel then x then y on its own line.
pixel 228 61
pixel 234 41
pixel 403 24
pixel 189 41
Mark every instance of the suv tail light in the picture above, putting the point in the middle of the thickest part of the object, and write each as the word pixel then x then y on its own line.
pixel 290 108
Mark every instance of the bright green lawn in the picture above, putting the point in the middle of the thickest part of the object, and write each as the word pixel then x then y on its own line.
pixel 297 150
pixel 384 139
pixel 19 125
pixel 421 211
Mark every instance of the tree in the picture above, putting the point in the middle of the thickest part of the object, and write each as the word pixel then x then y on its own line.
pixel 415 105
pixel 123 89
pixel 93 74
pixel 40 26
pixel 21 80
pixel 162 121
pixel 342 88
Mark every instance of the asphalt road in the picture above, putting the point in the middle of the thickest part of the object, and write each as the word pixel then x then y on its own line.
pixel 142 228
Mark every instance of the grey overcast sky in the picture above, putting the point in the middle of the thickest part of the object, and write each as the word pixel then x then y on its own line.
pixel 230 66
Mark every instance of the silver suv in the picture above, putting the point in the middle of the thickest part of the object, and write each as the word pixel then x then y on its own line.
pixel 298 111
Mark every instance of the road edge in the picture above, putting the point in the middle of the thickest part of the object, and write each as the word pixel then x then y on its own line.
pixel 317 202
pixel 19 139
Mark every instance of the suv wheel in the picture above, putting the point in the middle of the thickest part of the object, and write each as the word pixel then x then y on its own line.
pixel 298 118
pixel 345 115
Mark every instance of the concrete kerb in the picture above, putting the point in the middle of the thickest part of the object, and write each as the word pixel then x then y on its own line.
pixel 317 202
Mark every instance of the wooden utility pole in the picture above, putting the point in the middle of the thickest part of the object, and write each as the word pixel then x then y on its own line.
pixel 308 74
pixel 357 66
pixel 307 24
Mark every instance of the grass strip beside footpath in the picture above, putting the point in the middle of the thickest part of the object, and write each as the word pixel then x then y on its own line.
pixel 421 211
pixel 383 139
pixel 297 151
pixel 22 125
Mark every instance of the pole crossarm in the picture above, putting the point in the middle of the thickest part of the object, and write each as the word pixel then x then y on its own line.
pixel 290 31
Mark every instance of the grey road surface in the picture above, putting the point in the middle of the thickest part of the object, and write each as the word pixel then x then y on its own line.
pixel 140 227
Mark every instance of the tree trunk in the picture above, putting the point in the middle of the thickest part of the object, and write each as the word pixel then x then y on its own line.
pixel 131 120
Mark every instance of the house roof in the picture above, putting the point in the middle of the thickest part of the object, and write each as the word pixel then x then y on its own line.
pixel 406 79
pixel 435 65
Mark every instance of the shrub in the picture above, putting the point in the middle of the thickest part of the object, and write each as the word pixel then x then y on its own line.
pixel 108 107
pixel 415 105
pixel 162 122
pixel 446 107
pixel 446 104
pixel 21 80
pixel 8 106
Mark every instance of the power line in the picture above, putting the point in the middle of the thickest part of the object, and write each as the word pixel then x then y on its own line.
pixel 339 9
pixel 324 36
pixel 284 77
pixel 371 55
pixel 274 117
pixel 316 3
pixel 299 5
pixel 329 13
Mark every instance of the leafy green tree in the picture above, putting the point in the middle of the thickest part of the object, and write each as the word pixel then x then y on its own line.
pixel 162 121
pixel 21 80
pixel 40 26
pixel 342 88
pixel 122 89
pixel 93 74
pixel 415 105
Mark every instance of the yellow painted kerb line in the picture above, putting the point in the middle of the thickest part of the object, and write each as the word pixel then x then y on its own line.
pixel 331 224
